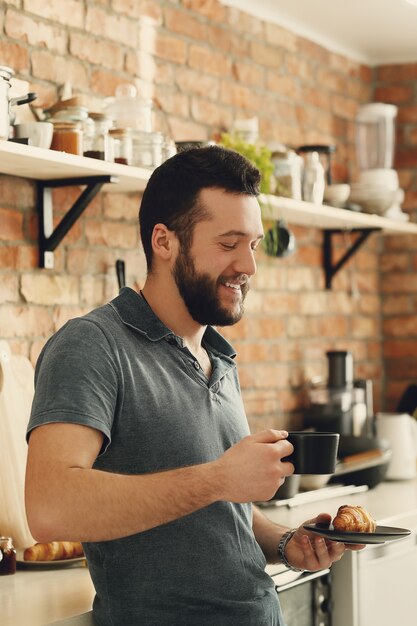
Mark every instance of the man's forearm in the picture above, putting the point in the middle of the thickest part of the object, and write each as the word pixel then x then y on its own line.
pixel 90 505
pixel 267 534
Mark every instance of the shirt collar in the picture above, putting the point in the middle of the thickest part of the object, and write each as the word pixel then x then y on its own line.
pixel 134 311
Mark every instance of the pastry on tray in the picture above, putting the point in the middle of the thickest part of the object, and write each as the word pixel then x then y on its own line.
pixel 54 551
pixel 354 519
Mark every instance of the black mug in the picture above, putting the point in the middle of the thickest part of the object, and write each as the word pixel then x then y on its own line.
pixel 314 452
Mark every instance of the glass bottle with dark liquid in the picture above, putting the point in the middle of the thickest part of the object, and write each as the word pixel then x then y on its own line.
pixel 7 556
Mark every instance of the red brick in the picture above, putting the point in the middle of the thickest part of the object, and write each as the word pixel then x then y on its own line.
pixel 267 55
pixel 11 225
pixel 115 27
pixel 211 113
pixel 162 45
pixel 212 9
pixel 281 37
pixel 206 60
pixel 15 56
pixel 396 73
pixel 400 326
pixel 172 102
pixel 183 23
pixel 394 348
pixel 190 81
pixel 131 8
pixel 51 67
pixel 364 327
pixel 248 73
pixel 97 52
pixel 9 289
pixel 121 206
pixel 20 26
pixel 111 234
pixel 244 23
pixel 284 85
pixel 394 94
pixel 240 96
pixel 25 321
pixel 186 130
pixel 105 82
pixel 67 12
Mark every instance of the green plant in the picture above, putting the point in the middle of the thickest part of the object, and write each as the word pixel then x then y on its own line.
pixel 258 154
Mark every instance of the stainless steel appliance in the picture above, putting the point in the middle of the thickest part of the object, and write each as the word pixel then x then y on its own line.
pixel 331 406
pixel 305 598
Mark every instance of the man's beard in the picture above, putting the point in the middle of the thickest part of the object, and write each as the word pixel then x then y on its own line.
pixel 199 292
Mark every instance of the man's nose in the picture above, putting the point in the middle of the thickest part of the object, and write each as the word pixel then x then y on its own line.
pixel 245 263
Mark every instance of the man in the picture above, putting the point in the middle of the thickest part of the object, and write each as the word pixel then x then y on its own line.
pixel 138 441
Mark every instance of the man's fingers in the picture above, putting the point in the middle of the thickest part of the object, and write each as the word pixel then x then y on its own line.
pixel 270 435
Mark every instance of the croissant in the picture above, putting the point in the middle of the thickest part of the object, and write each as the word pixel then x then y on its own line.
pixel 354 519
pixel 54 551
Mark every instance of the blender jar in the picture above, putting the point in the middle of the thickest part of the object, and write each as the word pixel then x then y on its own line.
pixel 375 135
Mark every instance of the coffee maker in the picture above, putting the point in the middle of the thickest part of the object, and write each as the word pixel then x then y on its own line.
pixel 341 405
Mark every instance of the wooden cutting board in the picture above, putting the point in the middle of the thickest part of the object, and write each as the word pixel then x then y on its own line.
pixel 16 395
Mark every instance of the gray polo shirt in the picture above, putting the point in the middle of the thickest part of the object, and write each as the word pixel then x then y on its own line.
pixel 121 371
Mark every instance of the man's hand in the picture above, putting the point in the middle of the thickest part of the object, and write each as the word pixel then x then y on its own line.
pixel 252 470
pixel 309 551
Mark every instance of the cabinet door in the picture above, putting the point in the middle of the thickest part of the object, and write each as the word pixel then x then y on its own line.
pixel 387 577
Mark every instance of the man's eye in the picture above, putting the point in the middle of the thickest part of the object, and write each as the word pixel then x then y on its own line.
pixel 228 246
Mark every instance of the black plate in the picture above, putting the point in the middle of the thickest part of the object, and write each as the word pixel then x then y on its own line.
pixel 381 534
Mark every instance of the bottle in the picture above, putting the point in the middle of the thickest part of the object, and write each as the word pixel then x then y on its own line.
pixel 122 138
pixel 314 179
pixel 7 556
pixel 98 144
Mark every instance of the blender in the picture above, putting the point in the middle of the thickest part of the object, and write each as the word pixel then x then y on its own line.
pixel 377 189
pixel 344 405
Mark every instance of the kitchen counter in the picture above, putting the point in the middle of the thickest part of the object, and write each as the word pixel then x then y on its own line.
pixel 42 596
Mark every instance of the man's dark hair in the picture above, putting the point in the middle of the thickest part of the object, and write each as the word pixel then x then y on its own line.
pixel 171 195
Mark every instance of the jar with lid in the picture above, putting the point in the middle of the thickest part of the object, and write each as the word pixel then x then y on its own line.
pixel 122 145
pixel 288 167
pixel 67 137
pixel 7 556
pixel 147 149
pixel 98 144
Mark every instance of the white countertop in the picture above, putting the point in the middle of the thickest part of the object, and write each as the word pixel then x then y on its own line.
pixel 42 596
pixel 39 597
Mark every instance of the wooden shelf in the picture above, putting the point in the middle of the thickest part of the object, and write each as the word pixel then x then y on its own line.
pixel 39 164
pixel 326 217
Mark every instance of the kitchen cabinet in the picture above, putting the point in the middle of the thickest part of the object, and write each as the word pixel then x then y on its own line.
pixel 50 169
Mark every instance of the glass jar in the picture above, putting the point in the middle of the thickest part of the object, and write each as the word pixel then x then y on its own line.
pixel 122 145
pixel 71 114
pixel 147 149
pixel 98 144
pixel 287 172
pixel 7 556
pixel 67 137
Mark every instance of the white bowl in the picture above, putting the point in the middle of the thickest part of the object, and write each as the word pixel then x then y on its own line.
pixel 387 178
pixel 309 482
pixel 336 195
pixel 373 199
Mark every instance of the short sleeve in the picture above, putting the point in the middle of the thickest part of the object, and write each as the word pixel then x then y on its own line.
pixel 77 379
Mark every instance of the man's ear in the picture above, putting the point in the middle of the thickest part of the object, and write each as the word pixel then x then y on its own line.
pixel 164 242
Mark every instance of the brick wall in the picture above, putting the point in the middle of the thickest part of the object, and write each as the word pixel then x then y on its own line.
pixel 206 64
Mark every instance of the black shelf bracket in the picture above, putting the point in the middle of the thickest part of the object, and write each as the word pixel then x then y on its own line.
pixel 331 269
pixel 50 238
